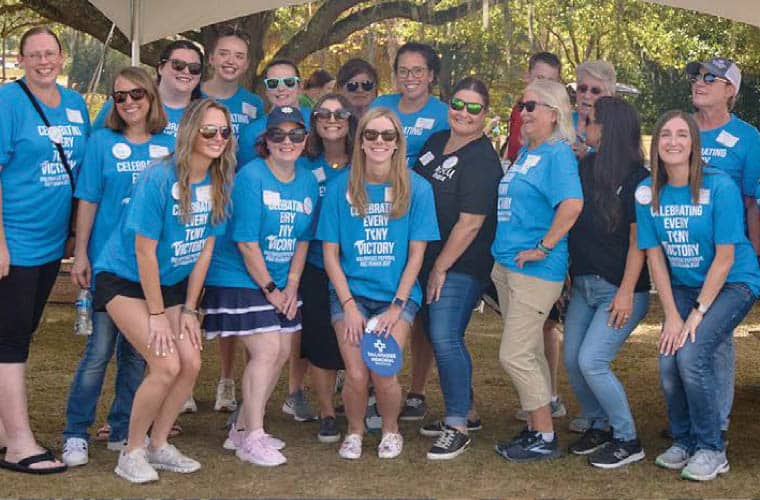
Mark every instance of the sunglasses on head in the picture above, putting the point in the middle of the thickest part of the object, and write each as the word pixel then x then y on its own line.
pixel 366 86
pixel 389 135
pixel 179 65
pixel 210 131
pixel 276 134
pixel 474 108
pixel 583 88
pixel 337 115
pixel 288 81
pixel 530 106
pixel 708 78
pixel 120 96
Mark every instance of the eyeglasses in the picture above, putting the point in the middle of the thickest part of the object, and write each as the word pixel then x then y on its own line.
pixel 416 72
pixel 179 65
pixel 583 88
pixel 389 135
pixel 277 135
pixel 210 131
pixel 474 108
pixel 530 106
pixel 288 81
pixel 36 57
pixel 366 86
pixel 137 94
pixel 337 115
pixel 708 78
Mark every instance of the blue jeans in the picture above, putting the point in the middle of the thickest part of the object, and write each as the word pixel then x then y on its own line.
pixel 725 370
pixel 88 381
pixel 445 322
pixel 590 345
pixel 689 378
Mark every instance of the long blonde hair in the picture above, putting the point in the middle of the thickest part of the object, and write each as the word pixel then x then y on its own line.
pixel 222 168
pixel 399 173
pixel 554 95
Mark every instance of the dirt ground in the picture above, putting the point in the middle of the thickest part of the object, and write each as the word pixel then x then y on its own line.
pixel 314 469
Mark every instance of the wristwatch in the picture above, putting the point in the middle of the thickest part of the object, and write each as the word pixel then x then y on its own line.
pixel 700 307
pixel 269 288
pixel 398 301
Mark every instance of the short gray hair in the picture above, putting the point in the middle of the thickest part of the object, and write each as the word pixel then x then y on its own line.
pixel 601 70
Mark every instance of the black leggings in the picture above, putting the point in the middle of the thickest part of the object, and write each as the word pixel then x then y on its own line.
pixel 23 295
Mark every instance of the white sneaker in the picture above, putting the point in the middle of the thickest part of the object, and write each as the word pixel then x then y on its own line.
pixel 351 448
pixel 168 457
pixel 189 406
pixel 134 467
pixel 225 396
pixel 391 445
pixel 75 452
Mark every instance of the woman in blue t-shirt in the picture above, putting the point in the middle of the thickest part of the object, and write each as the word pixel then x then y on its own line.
pixel 540 198
pixel 150 276
pixel 327 154
pixel 115 157
pixel 35 202
pixel 252 285
pixel 691 224
pixel 375 222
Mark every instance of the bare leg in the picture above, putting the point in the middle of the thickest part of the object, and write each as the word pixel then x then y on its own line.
pixel 261 374
pixel 388 389
pixel 226 357
pixel 298 365
pixel 355 393
pixel 540 420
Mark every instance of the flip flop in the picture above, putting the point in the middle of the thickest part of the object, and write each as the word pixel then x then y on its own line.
pixel 25 464
pixel 103 433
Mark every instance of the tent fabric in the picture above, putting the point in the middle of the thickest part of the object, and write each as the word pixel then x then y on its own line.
pixel 746 11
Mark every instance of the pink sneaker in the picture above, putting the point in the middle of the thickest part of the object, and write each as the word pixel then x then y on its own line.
pixel 273 442
pixel 255 450
pixel 236 437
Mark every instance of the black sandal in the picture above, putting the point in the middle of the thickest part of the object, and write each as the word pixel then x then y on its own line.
pixel 24 464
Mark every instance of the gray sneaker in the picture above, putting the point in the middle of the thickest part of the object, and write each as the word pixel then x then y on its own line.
pixel 298 407
pixel 673 458
pixel 579 425
pixel 415 407
pixel 705 465
pixel 328 431
pixel 168 457
pixel 558 410
pixel 134 467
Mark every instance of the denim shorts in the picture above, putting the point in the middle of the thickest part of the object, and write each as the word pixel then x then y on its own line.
pixel 370 308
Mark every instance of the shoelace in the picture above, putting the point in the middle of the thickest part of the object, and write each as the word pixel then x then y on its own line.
pixel 75 445
pixel 446 439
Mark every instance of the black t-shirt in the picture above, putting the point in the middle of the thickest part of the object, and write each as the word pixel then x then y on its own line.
pixel 593 248
pixel 465 181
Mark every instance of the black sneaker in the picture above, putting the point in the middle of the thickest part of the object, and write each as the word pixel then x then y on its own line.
pixel 415 407
pixel 436 428
pixel 530 447
pixel 450 444
pixel 617 453
pixel 590 441
pixel 501 446
pixel 328 430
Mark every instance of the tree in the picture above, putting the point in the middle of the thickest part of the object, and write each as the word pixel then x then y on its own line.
pixel 14 18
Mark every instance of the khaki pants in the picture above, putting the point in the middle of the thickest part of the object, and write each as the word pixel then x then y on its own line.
pixel 525 302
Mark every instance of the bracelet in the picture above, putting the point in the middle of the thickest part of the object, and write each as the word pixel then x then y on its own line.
pixel 158 313
pixel 343 304
pixel 543 248
pixel 188 310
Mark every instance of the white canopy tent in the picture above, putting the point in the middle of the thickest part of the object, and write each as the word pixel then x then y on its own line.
pixel 746 11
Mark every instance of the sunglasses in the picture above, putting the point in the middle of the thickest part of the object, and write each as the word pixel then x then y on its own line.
pixel 366 86
pixel 288 81
pixel 389 135
pixel 210 131
pixel 474 108
pixel 337 115
pixel 277 135
pixel 530 106
pixel 582 89
pixel 180 65
pixel 708 78
pixel 120 96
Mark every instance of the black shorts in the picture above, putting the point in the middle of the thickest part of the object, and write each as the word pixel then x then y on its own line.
pixel 23 295
pixel 108 286
pixel 318 341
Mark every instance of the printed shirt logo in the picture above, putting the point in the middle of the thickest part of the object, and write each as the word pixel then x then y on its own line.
pixel 375 250
pixel 445 171
pixel 677 245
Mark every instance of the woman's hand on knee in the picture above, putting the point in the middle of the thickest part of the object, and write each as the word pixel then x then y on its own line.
pixel 353 323
pixel 670 338
pixel 161 338
pixel 190 326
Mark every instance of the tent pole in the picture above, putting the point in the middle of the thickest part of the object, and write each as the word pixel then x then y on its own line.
pixel 135 30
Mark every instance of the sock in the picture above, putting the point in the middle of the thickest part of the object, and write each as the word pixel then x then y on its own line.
pixel 547 436
pixel 555 398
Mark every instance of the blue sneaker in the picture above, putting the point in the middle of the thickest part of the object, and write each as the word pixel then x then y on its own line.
pixel 530 447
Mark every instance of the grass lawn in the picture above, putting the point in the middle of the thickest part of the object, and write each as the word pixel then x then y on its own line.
pixel 314 469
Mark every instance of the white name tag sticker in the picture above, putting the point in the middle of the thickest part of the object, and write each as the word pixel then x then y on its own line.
pixel 389 194
pixel 74 115
pixel 531 161
pixel 319 174
pixel 727 139
pixel 121 151
pixel 249 110
pixel 156 151
pixel 704 196
pixel 427 158
pixel 271 198
pixel 643 195
pixel 308 206
pixel 203 193
pixel 426 123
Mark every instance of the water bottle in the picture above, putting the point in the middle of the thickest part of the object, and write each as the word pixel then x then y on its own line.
pixel 83 323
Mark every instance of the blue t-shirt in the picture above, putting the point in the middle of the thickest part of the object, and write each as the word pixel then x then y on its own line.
pixel 110 168
pixel 538 181
pixel 274 214
pixel 173 117
pixel 688 232
pixel 323 172
pixel 36 188
pixel 251 132
pixel 419 126
pixel 735 149
pixel 244 107
pixel 154 212
pixel 374 248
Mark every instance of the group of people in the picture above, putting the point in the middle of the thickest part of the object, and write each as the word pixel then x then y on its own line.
pixel 199 214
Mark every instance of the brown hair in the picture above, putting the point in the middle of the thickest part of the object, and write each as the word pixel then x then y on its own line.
pixel 399 174
pixel 659 173
pixel 222 168
pixel 39 30
pixel 156 119
pixel 314 145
